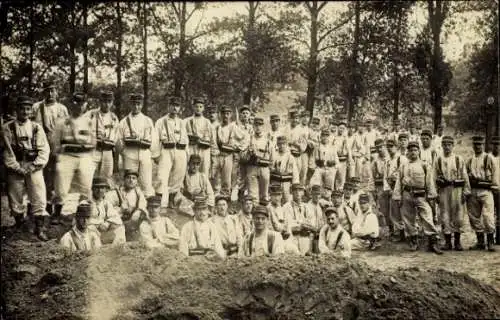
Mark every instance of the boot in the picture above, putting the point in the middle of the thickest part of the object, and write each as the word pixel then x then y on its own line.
pixel 49 208
pixel 413 243
pixel 457 244
pixel 19 218
pixel 402 237
pixel 56 216
pixel 490 242
pixel 433 247
pixel 447 246
pixel 497 237
pixel 40 222
pixel 480 242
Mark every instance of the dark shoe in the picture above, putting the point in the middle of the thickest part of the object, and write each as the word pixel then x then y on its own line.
pixel 49 208
pixel 490 242
pixel 480 242
pixel 56 217
pixel 447 246
pixel 402 237
pixel 19 218
pixel 497 237
pixel 40 228
pixel 433 247
pixel 413 243
pixel 457 244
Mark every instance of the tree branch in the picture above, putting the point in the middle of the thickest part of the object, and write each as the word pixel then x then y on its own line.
pixel 309 7
pixel 322 5
pixel 191 13
pixel 177 13
pixel 334 46
pixel 338 26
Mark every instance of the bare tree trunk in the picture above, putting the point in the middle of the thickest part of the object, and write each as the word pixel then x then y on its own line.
pixel 31 47
pixel 145 55
pixel 396 80
pixel 354 86
pixel 250 48
pixel 180 68
pixel 312 68
pixel 119 62
pixel 72 56
pixel 85 51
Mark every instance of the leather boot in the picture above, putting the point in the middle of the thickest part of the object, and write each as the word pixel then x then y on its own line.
pixel 19 218
pixel 490 242
pixel 413 243
pixel 480 242
pixel 497 237
pixel 457 244
pixel 56 216
pixel 402 237
pixel 433 247
pixel 49 208
pixel 447 246
pixel 40 228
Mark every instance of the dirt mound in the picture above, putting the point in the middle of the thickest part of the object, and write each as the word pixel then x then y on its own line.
pixel 130 282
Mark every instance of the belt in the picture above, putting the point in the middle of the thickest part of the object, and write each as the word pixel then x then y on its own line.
pixel 480 184
pixel 26 155
pixel 295 153
pixel 281 177
pixel 173 145
pixel 105 145
pixel 342 158
pixel 198 252
pixel 142 144
pixel 416 192
pixel 301 233
pixel 379 182
pixel 76 148
pixel 450 183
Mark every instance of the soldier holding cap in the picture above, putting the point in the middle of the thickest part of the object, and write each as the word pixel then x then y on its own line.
pixel 243 219
pixel 427 153
pixel 196 183
pixel 261 241
pixel 200 236
pixel 171 153
pixel 482 175
pixel 225 225
pixel 80 237
pixel 332 236
pixel 74 145
pixel 105 219
pixel 284 170
pixel 200 134
pixel 415 191
pixel 323 162
pixel 27 156
pixel 135 141
pixel 297 140
pixel 495 153
pixel 365 229
pixel 105 126
pixel 47 113
pixel 454 188
pixel 158 231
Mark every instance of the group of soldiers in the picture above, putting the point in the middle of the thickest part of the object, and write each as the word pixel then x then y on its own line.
pixel 304 187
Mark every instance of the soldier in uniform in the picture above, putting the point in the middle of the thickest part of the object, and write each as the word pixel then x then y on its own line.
pixel 240 167
pixel 170 153
pixel 211 114
pixel 324 161
pixel 358 152
pixel 80 237
pixel 454 188
pixel 436 140
pixel 415 192
pixel 495 153
pixel 414 135
pixel 403 143
pixel 333 237
pixel 106 126
pixel 297 217
pixel 395 131
pixel 381 195
pixel 297 141
pixel 427 152
pixel 25 159
pixel 243 219
pixel 284 170
pixel 315 217
pixel 480 205
pixel 345 214
pixel 351 194
pixel 370 135
pixel 258 156
pixel 158 231
pixel 135 142
pixel 341 144
pixel 47 113
pixel 201 135
pixel 196 183
pixel 365 230
pixel 225 225
pixel 74 144
pixel 275 131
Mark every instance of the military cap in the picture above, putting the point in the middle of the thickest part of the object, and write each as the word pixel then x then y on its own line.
pixel 260 209
pixel 495 140
pixel 426 132
pixel 247 198
pixel 199 100
pixel 225 109
pixel 355 180
pixel 131 172
pixel 413 144
pixel 297 186
pixel 373 150
pixel 211 109
pixel 447 139
pixel 107 95
pixel 478 139
pixel 100 182
pixel 364 198
pixel 403 135
pixel 258 121
pixel 79 97
pixel 379 142
pixel 175 101
pixel 330 210
pixel 275 189
pixel 23 100
pixel 325 132
pixel 293 113
pixel 315 120
pixel 274 117
pixel 200 203
pixel 154 201
pixel 245 107
pixel 390 143
pixel 264 202
pixel 281 139
pixel 337 193
pixel 327 187
pixel 222 196
pixel 48 84
pixel 316 189
pixel 195 158
pixel 135 97
pixel 84 209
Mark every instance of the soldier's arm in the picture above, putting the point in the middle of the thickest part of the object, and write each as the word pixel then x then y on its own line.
pixel 119 146
pixel 9 158
pixel 430 183
pixel 58 133
pixel 396 195
pixel 43 148
pixel 467 189
pixel 157 132
pixel 322 246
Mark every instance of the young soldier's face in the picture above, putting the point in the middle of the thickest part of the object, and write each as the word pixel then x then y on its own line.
pixel 426 141
pixel 259 221
pixel 332 220
pixel 275 198
pixel 201 214
pixel 136 107
pixel 106 105
pixel 99 192
pixel 154 211
pixel 50 94
pixel 327 194
pixel 337 200
pixel 130 181
pixel 495 148
pixel 392 149
pixel 247 206
pixel 193 167
pixel 348 192
pixel 212 116
pixel 315 196
pixel 324 139
pixel 226 117
pixel 440 131
pixel 24 112
pixel 257 128
pixel 81 223
pixel 447 148
pixel 295 120
pixel 198 108
pixel 305 120
pixel 275 125
pixel 245 115
pixel 221 208
pixel 364 206
pixel 297 195
pixel 175 109
pixel 478 147
pixel 403 143
pixel 341 129
pixel 412 153
pixel 281 146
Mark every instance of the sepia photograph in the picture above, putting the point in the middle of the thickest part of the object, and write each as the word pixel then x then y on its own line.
pixel 218 160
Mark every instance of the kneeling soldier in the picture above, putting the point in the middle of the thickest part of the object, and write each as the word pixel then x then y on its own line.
pixel 25 159
pixel 365 230
pixel 332 237
pixel 157 231
pixel 80 237
pixel 261 241
pixel 225 225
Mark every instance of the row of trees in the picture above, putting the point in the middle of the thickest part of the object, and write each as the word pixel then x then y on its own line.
pixel 361 54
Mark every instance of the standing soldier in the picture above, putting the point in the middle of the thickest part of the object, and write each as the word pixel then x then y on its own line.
pixel 106 126
pixel 47 113
pixel 135 141
pixel 200 133
pixel 495 152
pixel 211 114
pixel 370 135
pixel 74 144
pixel 259 155
pixel 436 140
pixel 427 152
pixel 275 131
pixel 323 162
pixel 415 192
pixel 298 143
pixel 381 195
pixel 284 170
pixel 24 159
pixel 358 152
pixel 334 126
pixel 240 165
pixel 403 143
pixel 413 136
pixel 451 178
pixel 480 205
pixel 341 144
pixel 170 153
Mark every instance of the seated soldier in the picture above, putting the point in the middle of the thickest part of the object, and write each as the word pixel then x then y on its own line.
pixel 200 236
pixel 345 214
pixel 157 231
pixel 314 216
pixel 365 230
pixel 243 219
pixel 351 194
pixel 261 241
pixel 279 220
pixel 80 238
pixel 105 220
pixel 332 237
pixel 196 184
pixel 225 225
pixel 130 202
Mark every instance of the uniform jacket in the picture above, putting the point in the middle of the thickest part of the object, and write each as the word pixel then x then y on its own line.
pixel 74 131
pixel 328 241
pixel 196 234
pixel 75 240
